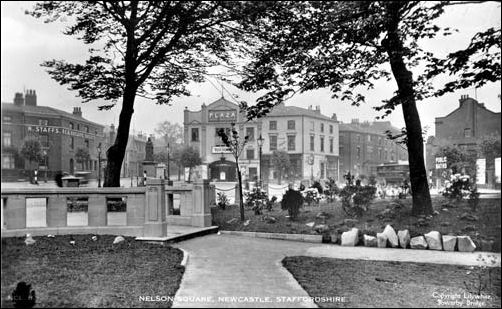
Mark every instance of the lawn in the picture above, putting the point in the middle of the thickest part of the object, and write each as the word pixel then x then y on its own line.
pixel 482 224
pixel 91 273
pixel 393 284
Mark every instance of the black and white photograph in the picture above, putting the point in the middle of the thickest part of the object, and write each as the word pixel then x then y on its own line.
pixel 251 154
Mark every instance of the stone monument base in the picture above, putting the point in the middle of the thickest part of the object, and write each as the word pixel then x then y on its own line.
pixel 150 168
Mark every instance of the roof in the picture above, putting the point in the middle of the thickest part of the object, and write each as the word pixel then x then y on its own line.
pixel 282 110
pixel 44 110
pixel 376 127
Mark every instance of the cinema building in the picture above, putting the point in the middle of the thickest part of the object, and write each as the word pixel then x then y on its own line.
pixel 309 138
pixel 60 133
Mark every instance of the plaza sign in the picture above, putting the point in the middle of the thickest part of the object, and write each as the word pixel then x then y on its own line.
pixel 222 115
pixel 58 130
pixel 221 149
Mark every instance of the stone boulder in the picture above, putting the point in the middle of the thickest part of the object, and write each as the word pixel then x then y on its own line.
pixel 391 236
pixel 418 243
pixel 487 245
pixel 465 244
pixel 321 228
pixel 449 242
pixel 468 217
pixel 310 224
pixel 404 238
pixel 369 241
pixel 350 238
pixel 433 239
pixel 381 240
pixel 334 238
pixel 118 240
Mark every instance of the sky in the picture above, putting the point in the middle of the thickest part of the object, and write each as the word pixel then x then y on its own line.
pixel 26 42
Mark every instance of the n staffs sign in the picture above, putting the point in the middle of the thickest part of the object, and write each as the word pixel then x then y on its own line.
pixel 58 130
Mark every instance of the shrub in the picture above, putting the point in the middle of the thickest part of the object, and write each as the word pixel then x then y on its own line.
pixel 312 196
pixel 222 200
pixel 317 185
pixel 271 203
pixel 256 200
pixel 355 199
pixel 460 187
pixel 332 190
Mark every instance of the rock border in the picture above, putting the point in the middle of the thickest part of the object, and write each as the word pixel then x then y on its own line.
pixel 280 236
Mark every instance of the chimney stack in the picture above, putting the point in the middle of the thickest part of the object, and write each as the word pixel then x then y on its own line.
pixel 77 111
pixel 18 99
pixel 355 121
pixel 318 109
pixel 30 98
pixel 310 107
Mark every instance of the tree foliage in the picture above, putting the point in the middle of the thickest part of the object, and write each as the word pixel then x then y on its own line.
pixel 31 150
pixel 460 161
pixel 190 157
pixel 151 49
pixel 347 46
pixel 172 133
pixel 281 163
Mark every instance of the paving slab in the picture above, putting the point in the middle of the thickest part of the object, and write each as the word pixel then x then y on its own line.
pixel 233 271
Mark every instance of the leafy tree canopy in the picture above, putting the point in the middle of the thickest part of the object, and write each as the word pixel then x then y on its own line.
pixel 32 150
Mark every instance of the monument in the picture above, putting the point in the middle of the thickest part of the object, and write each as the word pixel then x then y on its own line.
pixel 149 165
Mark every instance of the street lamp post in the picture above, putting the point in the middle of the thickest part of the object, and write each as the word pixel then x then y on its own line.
pixel 260 141
pixel 168 167
pixel 46 161
pixel 99 165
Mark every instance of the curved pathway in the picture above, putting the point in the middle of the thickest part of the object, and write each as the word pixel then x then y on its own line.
pixel 233 271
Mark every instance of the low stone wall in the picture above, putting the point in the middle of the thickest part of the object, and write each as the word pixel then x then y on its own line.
pixel 140 211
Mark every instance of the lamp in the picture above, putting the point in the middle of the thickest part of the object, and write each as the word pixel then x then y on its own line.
pixel 168 171
pixel 45 161
pixel 99 165
pixel 260 141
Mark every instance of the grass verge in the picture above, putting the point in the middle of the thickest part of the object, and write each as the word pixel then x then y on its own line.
pixel 384 284
pixel 91 273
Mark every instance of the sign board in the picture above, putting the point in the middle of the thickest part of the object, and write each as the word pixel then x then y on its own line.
pixel 497 170
pixel 222 115
pixel 220 149
pixel 58 130
pixel 440 162
pixel 481 171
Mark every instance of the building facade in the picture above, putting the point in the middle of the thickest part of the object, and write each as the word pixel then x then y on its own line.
pixel 60 133
pixel 364 146
pixel 309 138
pixel 465 127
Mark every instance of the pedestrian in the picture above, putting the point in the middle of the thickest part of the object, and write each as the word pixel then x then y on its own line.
pixel 144 178
pixel 292 201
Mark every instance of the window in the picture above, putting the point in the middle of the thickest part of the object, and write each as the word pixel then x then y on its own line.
pixel 44 140
pixel 467 132
pixel 322 143
pixel 86 142
pixel 7 139
pixel 358 152
pixel 87 129
pixel 78 126
pixel 331 145
pixel 273 142
pixel 8 161
pixel 369 138
pixel 71 125
pixel 7 119
pixel 72 142
pixel 273 125
pixel 312 143
pixel 77 211
pixel 358 138
pixel 312 126
pixel 380 153
pixel 322 127
pixel 392 156
pixel 331 129
pixel 195 134
pixel 291 124
pixel 250 134
pixel 250 154
pixel 291 142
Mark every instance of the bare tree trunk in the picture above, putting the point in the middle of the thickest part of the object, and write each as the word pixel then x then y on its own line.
pixel 406 95
pixel 239 178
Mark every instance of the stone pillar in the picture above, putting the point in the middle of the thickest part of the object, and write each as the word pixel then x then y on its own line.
pixel 155 211
pixel 201 215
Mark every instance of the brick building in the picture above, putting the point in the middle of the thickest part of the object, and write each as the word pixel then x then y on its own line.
pixel 465 127
pixel 309 138
pixel 60 133
pixel 364 146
